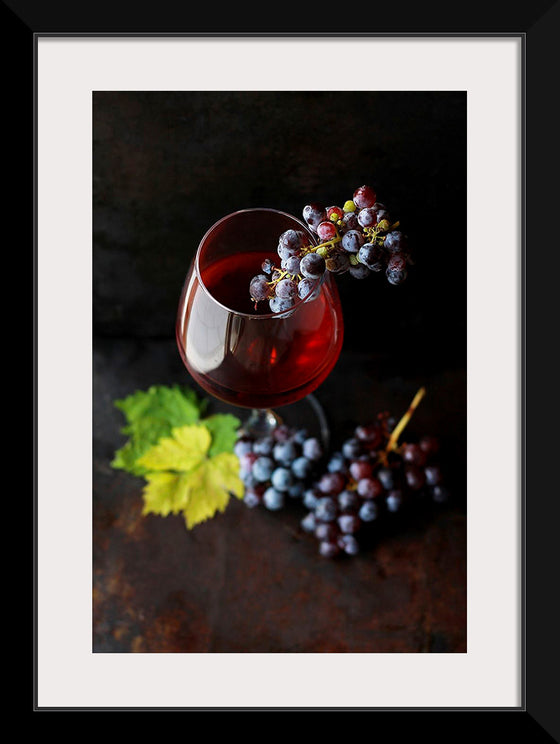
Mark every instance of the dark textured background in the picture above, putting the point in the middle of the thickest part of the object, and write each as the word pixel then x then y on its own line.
pixel 165 167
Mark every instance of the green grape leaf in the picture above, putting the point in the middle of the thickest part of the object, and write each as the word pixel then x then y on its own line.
pixel 151 415
pixel 223 427
pixel 183 476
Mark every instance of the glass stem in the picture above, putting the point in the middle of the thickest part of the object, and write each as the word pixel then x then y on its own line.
pixel 261 422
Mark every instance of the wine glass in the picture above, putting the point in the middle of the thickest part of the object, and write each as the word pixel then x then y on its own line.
pixel 243 356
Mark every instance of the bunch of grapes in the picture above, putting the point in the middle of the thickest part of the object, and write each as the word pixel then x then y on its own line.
pixel 366 481
pixel 345 491
pixel 357 238
pixel 277 467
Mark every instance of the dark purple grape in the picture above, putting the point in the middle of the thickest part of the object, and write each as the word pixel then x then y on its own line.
pixel 326 509
pixel 394 500
pixel 349 523
pixel 259 288
pixel 359 271
pixel 287 289
pixel 368 511
pixel 395 241
pixel 415 478
pixel 280 305
pixel 243 446
pixel 252 499
pixel 314 214
pixel 338 262
pixel 312 449
pixel 267 266
pixel 433 475
pixel 285 452
pixel 308 523
pixel 312 266
pixel 348 501
pixel 348 544
pixel 367 217
pixel 311 498
pixel 371 435
pixel 429 445
pixel 326 531
pixel 372 256
pixel 301 467
pixel 440 494
pixel 352 448
pixel 292 240
pixel 361 469
pixel 262 469
pixel 305 289
pixel 370 488
pixel 385 475
pixel 352 241
pixel 350 221
pixel 337 463
pixel 292 265
pixel 412 453
pixel 328 549
pixel 282 479
pixel 332 483
pixel 273 499
pixel 263 446
pixel 396 271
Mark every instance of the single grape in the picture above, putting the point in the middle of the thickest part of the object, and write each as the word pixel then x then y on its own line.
pixel 352 241
pixel 308 523
pixel 263 446
pixel 273 499
pixel 328 549
pixel 246 462
pixel 415 477
pixel 300 435
pixel 350 221
pixel 326 531
pixel 326 230
pixel 349 523
pixel 369 488
pixel 361 469
pixel 312 449
pixel 286 289
pixel 348 544
pixel 395 241
pixel 243 447
pixel 440 494
pixel 368 511
pixel 326 509
pixel 285 452
pixel 282 479
pixel 394 500
pixel 364 196
pixel 352 448
pixel 429 445
pixel 292 265
pixel 367 217
pixel 359 271
pixel 301 467
pixel 335 213
pixel 338 262
pixel 314 214
pixel 282 433
pixel 396 271
pixel 370 435
pixel 311 498
pixel 251 499
pixel 305 289
pixel 262 468
pixel 385 476
pixel 332 483
pixel 372 256
pixel 312 266
pixel 267 266
pixel 412 453
pixel 259 288
pixel 348 501
pixel 293 240
pixel 279 305
pixel 433 475
pixel 337 463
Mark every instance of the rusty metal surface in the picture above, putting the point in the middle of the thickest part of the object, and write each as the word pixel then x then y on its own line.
pixel 251 580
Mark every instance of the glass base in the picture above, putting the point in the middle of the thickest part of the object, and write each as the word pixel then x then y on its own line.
pixel 306 413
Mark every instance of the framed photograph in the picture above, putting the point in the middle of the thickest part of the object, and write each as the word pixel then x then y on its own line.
pixel 144 141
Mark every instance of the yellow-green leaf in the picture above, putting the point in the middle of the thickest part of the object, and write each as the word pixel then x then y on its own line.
pixel 208 487
pixel 181 452
pixel 165 493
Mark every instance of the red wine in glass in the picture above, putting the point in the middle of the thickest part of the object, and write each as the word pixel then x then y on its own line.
pixel 246 355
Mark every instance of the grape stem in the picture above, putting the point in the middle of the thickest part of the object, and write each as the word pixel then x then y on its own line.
pixel 397 431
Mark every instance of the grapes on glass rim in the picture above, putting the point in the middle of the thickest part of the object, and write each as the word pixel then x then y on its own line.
pixel 357 239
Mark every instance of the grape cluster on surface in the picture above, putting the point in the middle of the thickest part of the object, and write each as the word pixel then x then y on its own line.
pixel 345 491
pixel 278 467
pixel 365 482
pixel 357 238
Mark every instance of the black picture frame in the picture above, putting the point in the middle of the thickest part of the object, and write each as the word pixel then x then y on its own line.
pixel 538 26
